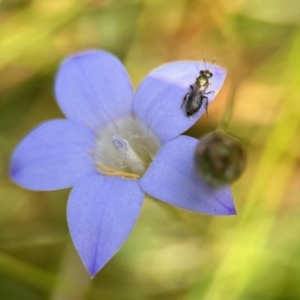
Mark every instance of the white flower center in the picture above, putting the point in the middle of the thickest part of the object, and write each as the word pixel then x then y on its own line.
pixel 125 148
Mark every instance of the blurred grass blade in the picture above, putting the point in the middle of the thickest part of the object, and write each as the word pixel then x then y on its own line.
pixel 33 32
pixel 249 248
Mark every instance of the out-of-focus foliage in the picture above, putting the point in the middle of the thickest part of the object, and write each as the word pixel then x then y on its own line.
pixel 172 254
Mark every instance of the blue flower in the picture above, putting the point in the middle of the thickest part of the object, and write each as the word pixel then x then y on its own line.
pixel 115 146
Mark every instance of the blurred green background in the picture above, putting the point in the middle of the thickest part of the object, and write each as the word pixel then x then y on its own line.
pixel 172 254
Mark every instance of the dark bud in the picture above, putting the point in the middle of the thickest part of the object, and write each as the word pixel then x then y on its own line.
pixel 220 158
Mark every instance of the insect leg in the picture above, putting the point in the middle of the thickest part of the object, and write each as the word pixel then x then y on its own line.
pixel 211 92
pixel 185 99
pixel 204 98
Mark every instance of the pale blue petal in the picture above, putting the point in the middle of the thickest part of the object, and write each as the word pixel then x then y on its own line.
pixel 158 99
pixel 53 156
pixel 172 178
pixel 102 212
pixel 94 88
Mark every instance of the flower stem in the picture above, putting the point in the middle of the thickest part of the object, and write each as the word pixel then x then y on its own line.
pixel 226 118
pixel 236 78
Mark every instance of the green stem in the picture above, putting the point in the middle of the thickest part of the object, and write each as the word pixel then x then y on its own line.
pixel 226 119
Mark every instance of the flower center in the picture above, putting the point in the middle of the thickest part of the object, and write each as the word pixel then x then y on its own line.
pixel 125 148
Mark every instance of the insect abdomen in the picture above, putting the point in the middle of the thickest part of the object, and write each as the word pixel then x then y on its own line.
pixel 193 104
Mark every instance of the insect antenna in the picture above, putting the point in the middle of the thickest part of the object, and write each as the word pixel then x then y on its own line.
pixel 203 57
pixel 215 58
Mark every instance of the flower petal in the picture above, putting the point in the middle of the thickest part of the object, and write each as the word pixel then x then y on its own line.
pixel 172 178
pixel 158 99
pixel 53 156
pixel 93 88
pixel 102 212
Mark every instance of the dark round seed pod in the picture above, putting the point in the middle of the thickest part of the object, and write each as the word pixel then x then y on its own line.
pixel 220 158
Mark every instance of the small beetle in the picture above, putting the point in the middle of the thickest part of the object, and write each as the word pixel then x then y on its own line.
pixel 194 99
